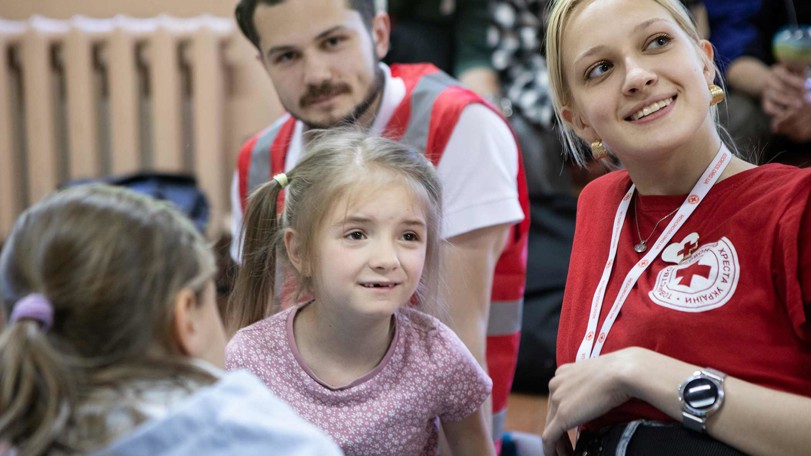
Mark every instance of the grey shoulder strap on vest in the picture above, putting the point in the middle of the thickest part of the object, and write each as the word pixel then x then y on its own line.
pixel 259 169
pixel 422 102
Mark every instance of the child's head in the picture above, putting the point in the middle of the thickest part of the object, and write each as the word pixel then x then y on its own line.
pixel 561 14
pixel 341 168
pixel 97 279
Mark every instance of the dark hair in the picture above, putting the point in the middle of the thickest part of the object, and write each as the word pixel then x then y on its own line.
pixel 110 262
pixel 338 163
pixel 246 8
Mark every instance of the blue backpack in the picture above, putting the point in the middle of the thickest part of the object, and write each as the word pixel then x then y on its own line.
pixel 179 189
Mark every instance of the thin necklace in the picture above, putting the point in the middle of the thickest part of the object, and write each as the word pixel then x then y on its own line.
pixel 642 246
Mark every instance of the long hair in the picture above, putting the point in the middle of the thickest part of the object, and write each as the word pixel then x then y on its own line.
pixel 559 16
pixel 337 162
pixel 111 263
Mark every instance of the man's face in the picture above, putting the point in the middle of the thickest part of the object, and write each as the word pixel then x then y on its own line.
pixel 322 59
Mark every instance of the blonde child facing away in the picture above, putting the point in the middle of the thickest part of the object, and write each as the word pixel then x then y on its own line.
pixel 360 228
pixel 114 334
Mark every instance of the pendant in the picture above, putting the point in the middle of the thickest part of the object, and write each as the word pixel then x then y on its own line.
pixel 641 247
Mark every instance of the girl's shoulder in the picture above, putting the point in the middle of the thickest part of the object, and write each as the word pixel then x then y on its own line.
pixel 444 363
pixel 108 413
pixel 264 334
pixel 267 323
pixel 426 333
pixel 419 323
pixel 264 421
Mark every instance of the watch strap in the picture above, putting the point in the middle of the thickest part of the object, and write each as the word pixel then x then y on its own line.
pixel 694 423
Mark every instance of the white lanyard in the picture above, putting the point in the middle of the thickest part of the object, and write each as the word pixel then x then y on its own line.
pixel 591 347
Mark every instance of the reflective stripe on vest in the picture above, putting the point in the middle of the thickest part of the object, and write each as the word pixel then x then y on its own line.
pixel 259 168
pixel 422 104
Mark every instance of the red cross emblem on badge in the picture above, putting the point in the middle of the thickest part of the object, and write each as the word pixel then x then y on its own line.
pixel 689 248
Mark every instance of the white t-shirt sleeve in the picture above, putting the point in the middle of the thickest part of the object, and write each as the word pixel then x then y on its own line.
pixel 479 170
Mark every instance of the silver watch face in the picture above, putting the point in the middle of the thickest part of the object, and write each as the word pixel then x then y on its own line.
pixel 700 394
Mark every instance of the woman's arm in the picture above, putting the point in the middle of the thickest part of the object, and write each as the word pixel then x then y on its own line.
pixel 753 419
pixel 469 436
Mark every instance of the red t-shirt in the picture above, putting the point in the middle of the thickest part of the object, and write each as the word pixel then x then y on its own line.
pixel 740 303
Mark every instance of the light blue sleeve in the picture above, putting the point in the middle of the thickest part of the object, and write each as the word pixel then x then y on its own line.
pixel 236 416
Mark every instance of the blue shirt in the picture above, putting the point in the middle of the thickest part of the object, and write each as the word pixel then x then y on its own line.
pixel 237 415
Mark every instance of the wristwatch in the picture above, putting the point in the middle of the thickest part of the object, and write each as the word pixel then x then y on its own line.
pixel 701 395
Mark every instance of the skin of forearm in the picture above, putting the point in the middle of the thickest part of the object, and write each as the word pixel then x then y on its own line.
pixel 470 260
pixel 747 75
pixel 753 419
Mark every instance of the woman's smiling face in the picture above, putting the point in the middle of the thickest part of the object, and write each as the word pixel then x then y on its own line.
pixel 638 81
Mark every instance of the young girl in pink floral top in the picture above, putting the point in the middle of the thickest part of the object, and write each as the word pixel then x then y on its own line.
pixel 359 358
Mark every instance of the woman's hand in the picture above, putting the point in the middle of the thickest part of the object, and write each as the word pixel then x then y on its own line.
pixel 580 392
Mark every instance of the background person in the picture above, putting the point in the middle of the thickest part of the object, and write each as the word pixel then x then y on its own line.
pixel 768 112
pixel 451 34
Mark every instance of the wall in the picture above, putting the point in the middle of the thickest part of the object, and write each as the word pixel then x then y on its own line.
pixel 21 9
pixel 252 102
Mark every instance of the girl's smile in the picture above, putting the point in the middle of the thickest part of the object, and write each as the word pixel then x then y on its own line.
pixel 370 251
pixel 379 285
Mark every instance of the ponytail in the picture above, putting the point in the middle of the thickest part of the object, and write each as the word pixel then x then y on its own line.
pixel 37 387
pixel 88 279
pixel 255 284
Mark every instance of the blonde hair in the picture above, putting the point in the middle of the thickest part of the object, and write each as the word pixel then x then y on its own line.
pixel 559 16
pixel 111 263
pixel 337 162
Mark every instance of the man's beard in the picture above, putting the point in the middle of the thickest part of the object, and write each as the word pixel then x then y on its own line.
pixel 358 111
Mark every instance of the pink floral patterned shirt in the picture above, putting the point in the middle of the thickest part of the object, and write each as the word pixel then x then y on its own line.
pixel 427 375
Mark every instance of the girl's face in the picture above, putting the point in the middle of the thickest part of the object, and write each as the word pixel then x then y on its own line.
pixel 370 251
pixel 638 81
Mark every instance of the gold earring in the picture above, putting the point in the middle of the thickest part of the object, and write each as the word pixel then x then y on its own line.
pixel 717 94
pixel 598 150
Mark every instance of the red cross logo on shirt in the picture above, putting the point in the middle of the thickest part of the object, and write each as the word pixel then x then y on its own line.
pixel 694 270
pixel 688 249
